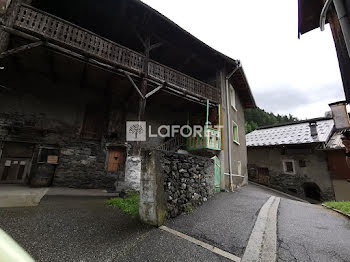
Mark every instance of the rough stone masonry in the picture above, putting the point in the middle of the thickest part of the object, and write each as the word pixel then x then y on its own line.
pixel 172 184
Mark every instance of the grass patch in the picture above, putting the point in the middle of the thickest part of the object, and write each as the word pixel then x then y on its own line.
pixel 130 204
pixel 343 206
pixel 189 209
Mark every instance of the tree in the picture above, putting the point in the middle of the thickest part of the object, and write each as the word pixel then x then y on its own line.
pixel 257 117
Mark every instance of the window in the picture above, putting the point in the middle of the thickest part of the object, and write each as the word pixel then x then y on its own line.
pixel 235 133
pixel 302 163
pixel 48 155
pixel 289 167
pixel 233 97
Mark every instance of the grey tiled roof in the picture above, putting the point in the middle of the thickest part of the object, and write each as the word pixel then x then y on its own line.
pixel 290 134
pixel 335 142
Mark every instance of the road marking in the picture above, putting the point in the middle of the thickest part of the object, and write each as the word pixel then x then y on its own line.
pixel 262 244
pixel 202 244
pixel 270 237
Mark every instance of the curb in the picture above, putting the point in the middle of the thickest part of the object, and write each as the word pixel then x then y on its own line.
pixel 336 210
pixel 262 243
pixel 279 192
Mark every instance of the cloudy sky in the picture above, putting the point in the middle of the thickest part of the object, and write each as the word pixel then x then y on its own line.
pixel 286 75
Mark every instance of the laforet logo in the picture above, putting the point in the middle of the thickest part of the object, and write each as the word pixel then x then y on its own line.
pixel 136 130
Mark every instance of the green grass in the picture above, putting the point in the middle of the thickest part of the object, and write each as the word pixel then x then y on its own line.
pixel 129 205
pixel 341 206
pixel 189 209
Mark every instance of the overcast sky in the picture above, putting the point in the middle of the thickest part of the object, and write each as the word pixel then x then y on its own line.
pixel 286 75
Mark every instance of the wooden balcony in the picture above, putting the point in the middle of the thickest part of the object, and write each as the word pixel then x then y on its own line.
pixel 67 35
pixel 209 139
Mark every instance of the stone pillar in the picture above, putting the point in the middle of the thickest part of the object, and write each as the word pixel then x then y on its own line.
pixel 132 173
pixel 152 198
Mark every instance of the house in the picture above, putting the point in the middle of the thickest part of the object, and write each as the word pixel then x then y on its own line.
pixel 303 158
pixel 336 13
pixel 72 73
pixel 338 168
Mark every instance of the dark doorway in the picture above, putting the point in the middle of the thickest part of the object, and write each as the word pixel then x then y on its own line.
pixel 15 163
pixel 311 190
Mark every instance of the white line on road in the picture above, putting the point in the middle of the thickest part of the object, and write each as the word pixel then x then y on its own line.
pixel 202 244
pixel 262 244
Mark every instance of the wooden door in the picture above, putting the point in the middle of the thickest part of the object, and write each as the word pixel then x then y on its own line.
pixel 263 176
pixel 116 159
pixel 15 163
pixel 14 170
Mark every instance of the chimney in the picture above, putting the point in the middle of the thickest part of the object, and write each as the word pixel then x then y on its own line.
pixel 313 129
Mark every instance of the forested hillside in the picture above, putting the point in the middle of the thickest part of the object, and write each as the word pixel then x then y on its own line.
pixel 258 117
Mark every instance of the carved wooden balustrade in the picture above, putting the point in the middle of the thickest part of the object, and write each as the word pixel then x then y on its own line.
pixel 67 35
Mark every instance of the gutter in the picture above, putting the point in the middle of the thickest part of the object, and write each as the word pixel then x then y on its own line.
pixel 238 66
pixel 343 18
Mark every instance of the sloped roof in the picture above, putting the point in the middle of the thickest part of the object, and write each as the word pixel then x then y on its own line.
pixel 335 142
pixel 309 15
pixel 291 134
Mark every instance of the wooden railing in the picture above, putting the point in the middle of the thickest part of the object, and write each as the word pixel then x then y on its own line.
pixel 65 34
pixel 210 138
pixel 173 144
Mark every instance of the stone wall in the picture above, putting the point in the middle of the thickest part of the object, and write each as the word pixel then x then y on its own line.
pixel 314 170
pixel 172 183
pixel 83 166
pixel 188 181
pixel 36 116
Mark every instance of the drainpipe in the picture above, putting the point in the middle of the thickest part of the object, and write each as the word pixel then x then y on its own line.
pixel 343 18
pixel 229 120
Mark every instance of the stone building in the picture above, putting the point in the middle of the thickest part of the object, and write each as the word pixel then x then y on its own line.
pixel 338 168
pixel 293 158
pixel 73 72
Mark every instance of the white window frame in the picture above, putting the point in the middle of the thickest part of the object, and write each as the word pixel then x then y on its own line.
pixel 284 163
pixel 233 98
pixel 233 133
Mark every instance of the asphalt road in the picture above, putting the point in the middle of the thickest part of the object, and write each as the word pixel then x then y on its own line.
pixel 225 221
pixel 85 229
pixel 312 233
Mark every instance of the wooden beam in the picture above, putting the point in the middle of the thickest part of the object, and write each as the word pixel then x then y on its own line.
pixel 20 49
pixel 134 85
pixel 155 90
pixel 154 46
pixel 5 88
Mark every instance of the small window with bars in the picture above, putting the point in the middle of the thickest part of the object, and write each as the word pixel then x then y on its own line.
pixel 289 167
pixel 48 155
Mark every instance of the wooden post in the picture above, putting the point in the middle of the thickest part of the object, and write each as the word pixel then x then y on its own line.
pixel 8 19
pixel 143 90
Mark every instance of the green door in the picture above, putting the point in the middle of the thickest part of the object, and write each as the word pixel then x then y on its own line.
pixel 217 173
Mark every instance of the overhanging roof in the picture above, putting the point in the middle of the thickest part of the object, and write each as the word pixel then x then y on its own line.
pixel 126 21
pixel 240 79
pixel 309 15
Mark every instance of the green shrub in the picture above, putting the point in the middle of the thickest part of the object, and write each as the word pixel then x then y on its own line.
pixel 130 204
